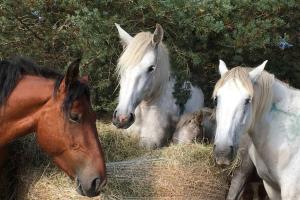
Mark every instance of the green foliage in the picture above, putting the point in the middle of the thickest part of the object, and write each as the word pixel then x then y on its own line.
pixel 197 33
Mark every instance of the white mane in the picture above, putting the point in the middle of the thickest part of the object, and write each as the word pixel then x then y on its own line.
pixel 261 91
pixel 134 52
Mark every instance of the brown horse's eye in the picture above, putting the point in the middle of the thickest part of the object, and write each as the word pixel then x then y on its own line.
pixel 75 146
pixel 75 117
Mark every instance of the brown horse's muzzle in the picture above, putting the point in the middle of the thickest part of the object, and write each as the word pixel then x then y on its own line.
pixel 123 121
pixel 90 186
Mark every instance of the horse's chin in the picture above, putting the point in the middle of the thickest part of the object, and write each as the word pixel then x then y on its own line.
pixel 126 126
pixel 122 126
pixel 223 163
pixel 82 193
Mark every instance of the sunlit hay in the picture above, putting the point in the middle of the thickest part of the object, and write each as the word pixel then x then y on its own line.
pixel 48 184
pixel 118 145
pixel 175 172
pixel 178 172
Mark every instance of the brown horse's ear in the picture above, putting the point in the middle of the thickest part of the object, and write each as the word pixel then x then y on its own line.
pixel 72 74
pixel 158 35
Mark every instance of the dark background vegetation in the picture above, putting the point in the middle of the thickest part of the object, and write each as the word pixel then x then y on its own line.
pixel 197 33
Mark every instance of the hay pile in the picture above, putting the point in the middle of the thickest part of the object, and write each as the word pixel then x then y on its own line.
pixel 167 177
pixel 175 172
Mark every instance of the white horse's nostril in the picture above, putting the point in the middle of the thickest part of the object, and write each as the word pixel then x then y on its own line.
pixel 115 114
pixel 131 117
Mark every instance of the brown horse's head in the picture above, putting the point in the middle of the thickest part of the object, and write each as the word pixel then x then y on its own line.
pixel 66 130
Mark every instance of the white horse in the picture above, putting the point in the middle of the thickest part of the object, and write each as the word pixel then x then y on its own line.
pixel 145 97
pixel 202 125
pixel 253 101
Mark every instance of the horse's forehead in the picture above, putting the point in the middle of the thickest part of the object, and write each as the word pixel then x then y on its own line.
pixel 147 60
pixel 233 89
pixel 81 103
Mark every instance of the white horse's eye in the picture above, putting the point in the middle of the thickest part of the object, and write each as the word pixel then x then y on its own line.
pixel 151 68
pixel 247 101
pixel 215 101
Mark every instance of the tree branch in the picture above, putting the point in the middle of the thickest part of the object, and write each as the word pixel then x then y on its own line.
pixel 29 29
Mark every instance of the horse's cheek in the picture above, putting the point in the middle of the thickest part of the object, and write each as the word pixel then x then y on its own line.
pixel 48 133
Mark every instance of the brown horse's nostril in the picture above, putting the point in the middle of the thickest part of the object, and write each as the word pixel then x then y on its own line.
pixel 96 185
pixel 92 188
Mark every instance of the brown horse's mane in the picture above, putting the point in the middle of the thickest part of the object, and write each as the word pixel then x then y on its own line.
pixel 12 70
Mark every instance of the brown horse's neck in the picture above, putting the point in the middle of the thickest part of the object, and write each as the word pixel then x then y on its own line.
pixel 19 115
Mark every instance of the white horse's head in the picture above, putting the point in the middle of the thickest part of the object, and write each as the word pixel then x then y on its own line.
pixel 143 69
pixel 234 99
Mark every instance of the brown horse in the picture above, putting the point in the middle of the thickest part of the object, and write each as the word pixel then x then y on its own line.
pixel 58 109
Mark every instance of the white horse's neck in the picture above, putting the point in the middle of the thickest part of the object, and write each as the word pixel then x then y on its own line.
pixel 281 91
pixel 286 99
pixel 276 136
pixel 285 102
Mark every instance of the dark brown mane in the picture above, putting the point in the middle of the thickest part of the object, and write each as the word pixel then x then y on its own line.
pixel 12 70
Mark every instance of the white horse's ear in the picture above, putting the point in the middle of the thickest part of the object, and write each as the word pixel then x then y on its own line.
pixel 222 67
pixel 158 34
pixel 256 72
pixel 124 36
